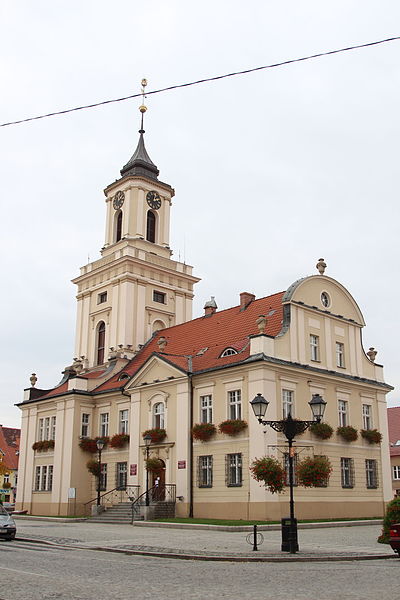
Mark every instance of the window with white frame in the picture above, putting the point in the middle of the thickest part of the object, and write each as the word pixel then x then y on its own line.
pixel 367 416
pixel 347 472
pixel 158 415
pixel 205 471
pixel 123 421
pixel 234 470
pixel 53 428
pixel 85 425
pixel 396 472
pixel 342 413
pixel 103 477
pixel 43 478
pixel 228 352
pixel 104 421
pixel 339 354
pixel 206 414
pixel 41 430
pixel 287 403
pixel 314 347
pixel 371 474
pixel 286 468
pixel 121 475
pixel 47 428
pixel 6 477
pixel 235 404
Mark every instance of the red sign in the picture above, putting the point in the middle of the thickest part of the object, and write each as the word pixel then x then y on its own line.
pixel 133 469
pixel 181 464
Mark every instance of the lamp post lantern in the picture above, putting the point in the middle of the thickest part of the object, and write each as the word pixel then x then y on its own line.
pixel 290 428
pixel 147 442
pixel 100 446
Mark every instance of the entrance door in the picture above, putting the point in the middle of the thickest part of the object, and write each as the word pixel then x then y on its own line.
pixel 158 483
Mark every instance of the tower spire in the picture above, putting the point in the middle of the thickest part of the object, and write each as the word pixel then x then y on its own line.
pixel 140 162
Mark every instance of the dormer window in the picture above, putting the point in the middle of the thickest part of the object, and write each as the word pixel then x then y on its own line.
pixel 123 376
pixel 228 352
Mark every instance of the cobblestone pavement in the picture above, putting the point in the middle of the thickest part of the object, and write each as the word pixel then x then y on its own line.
pixel 317 543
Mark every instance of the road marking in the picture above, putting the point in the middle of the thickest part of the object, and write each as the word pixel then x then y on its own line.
pixel 24 572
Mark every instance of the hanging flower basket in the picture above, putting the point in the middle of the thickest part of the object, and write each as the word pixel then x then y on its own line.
pixel 232 426
pixel 119 440
pixel 6 485
pixel 322 430
pixel 313 472
pixel 270 471
pixel 43 445
pixel 373 436
pixel 348 433
pixel 157 435
pixel 93 467
pixel 203 431
pixel 90 445
pixel 154 465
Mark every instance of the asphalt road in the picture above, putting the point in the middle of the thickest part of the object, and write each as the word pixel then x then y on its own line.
pixel 36 572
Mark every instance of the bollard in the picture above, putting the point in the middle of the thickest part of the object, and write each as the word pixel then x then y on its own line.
pixel 255 538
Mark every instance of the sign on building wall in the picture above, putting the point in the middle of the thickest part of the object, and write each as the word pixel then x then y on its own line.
pixel 133 470
pixel 181 464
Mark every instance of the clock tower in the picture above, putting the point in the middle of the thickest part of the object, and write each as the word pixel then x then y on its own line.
pixel 135 288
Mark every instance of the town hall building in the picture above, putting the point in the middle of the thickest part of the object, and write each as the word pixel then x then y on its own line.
pixel 145 374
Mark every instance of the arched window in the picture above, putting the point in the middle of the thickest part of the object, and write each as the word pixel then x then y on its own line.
pixel 228 352
pixel 151 227
pixel 101 342
pixel 158 325
pixel 158 415
pixel 118 226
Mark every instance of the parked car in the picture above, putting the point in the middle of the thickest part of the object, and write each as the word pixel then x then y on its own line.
pixel 8 528
pixel 9 507
pixel 394 539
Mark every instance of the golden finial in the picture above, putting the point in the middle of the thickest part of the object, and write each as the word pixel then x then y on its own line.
pixel 143 108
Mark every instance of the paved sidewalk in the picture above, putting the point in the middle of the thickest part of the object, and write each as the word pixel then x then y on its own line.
pixel 319 543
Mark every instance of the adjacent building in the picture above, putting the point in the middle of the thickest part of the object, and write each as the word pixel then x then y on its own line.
pixel 9 456
pixel 142 363
pixel 394 440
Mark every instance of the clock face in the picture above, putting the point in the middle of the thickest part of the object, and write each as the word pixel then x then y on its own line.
pixel 153 200
pixel 118 200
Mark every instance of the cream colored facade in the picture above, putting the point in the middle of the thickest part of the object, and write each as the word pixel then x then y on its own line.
pixel 317 350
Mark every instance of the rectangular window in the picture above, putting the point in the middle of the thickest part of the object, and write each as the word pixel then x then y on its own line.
pixel 37 478
pixel 371 474
pixel 159 297
pixel 205 471
pixel 102 298
pixel 44 478
pixel 41 430
pixel 47 428
pixel 367 416
pixel 234 470
pixel 103 477
pixel 6 478
pixel 121 473
pixel 104 424
pixel 339 354
pixel 50 478
pixel 235 404
pixel 347 472
pixel 343 416
pixel 287 403
pixel 286 467
pixel 123 421
pixel 314 347
pixel 396 472
pixel 206 409
pixel 85 425
pixel 53 428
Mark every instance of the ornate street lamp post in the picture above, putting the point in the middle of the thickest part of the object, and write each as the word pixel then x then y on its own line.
pixel 147 442
pixel 100 446
pixel 290 428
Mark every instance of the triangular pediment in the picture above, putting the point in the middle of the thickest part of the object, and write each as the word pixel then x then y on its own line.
pixel 155 370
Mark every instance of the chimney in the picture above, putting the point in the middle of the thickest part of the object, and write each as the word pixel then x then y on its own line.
pixel 245 299
pixel 210 307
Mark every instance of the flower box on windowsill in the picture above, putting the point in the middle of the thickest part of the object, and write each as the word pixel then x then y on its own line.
pixel 157 435
pixel 203 431
pixel 232 426
pixel 373 436
pixel 90 444
pixel 43 445
pixel 119 440
pixel 348 433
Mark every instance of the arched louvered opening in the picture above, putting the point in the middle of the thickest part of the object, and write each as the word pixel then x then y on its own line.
pixel 118 226
pixel 151 227
pixel 100 342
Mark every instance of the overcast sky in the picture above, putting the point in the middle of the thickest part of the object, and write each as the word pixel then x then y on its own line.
pixel 272 170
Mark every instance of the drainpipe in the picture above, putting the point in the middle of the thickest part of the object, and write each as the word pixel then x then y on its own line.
pixel 191 437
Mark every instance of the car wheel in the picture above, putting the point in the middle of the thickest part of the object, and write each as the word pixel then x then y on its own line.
pixel 10 538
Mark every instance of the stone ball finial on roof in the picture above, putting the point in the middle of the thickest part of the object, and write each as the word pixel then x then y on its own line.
pixel 162 342
pixel 33 379
pixel 372 354
pixel 321 266
pixel 261 323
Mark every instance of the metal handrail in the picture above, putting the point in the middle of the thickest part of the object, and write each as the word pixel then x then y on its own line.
pixel 156 493
pixel 107 498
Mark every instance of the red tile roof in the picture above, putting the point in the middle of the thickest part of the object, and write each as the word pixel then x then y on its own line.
pixel 9 445
pixel 394 429
pixel 206 338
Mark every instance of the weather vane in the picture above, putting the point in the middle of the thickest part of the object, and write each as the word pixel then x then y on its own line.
pixel 142 107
